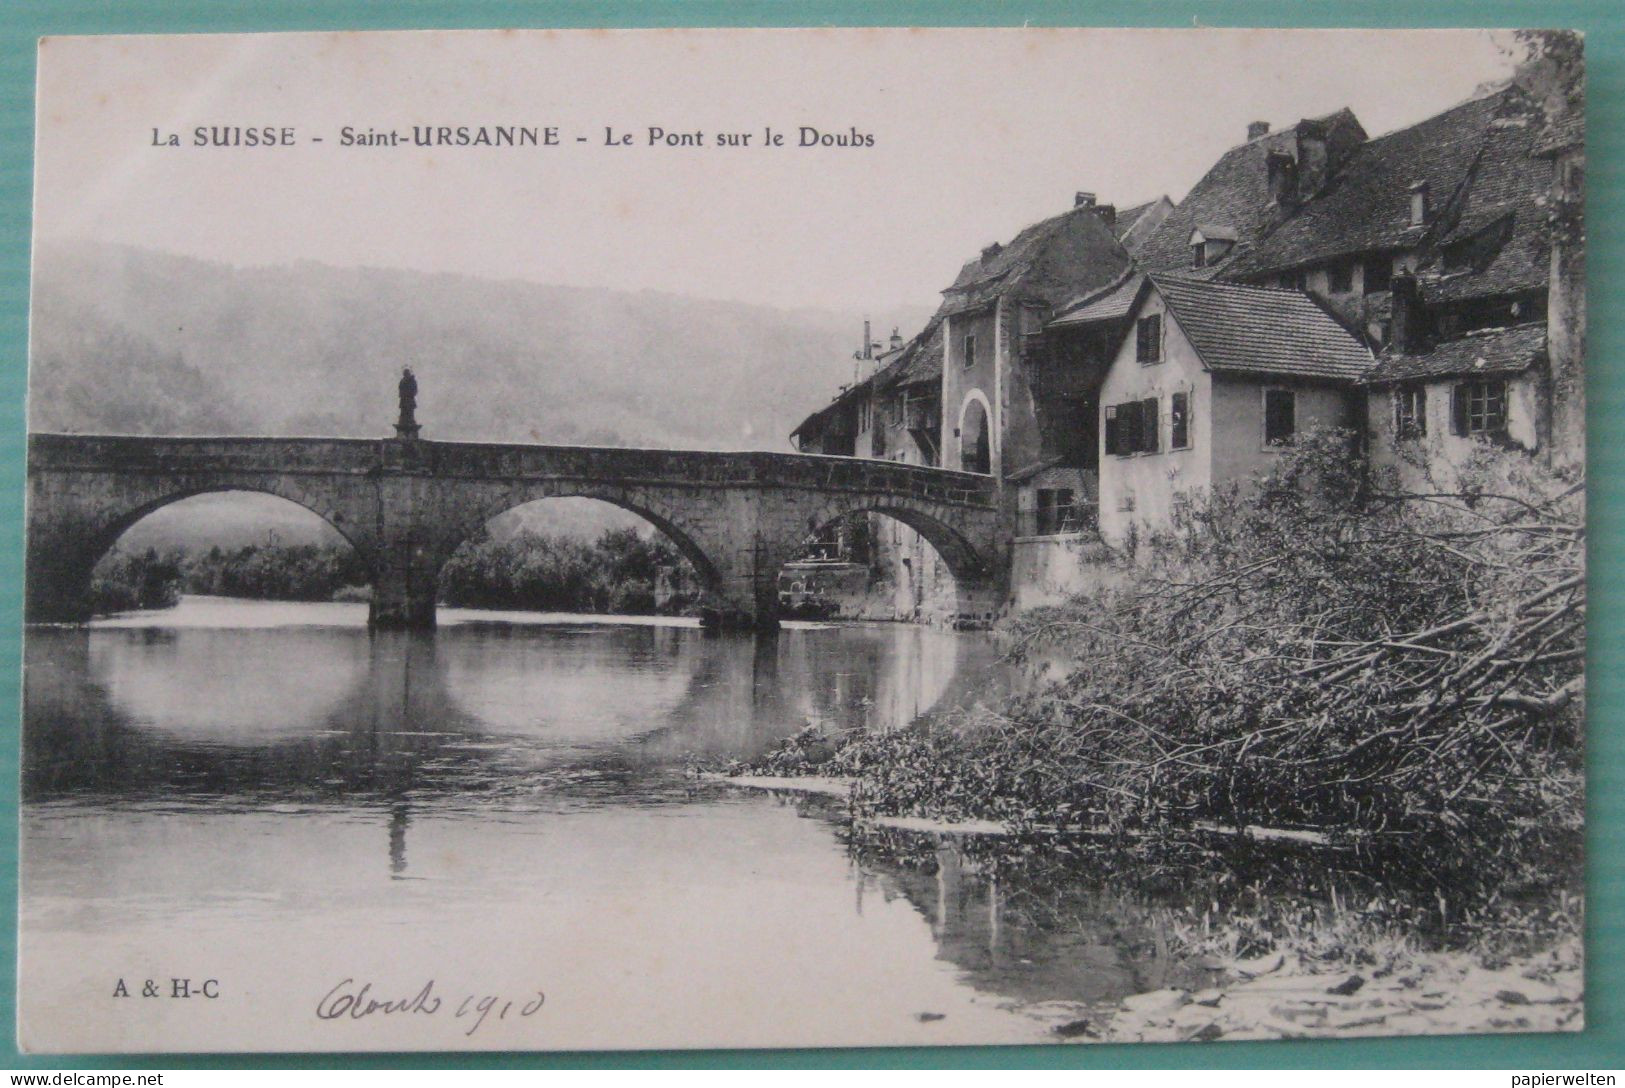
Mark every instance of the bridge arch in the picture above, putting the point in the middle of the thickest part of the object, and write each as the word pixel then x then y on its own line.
pixel 122 522
pixel 469 526
pixel 968 600
pixel 656 513
pixel 67 541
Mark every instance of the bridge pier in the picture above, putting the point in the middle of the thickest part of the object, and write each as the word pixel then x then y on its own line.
pixel 405 583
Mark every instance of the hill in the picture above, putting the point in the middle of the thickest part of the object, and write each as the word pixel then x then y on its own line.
pixel 136 341
pixel 133 341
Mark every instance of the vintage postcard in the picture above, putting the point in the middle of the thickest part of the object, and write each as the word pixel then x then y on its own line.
pixel 721 538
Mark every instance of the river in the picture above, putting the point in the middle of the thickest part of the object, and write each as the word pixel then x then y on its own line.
pixel 271 800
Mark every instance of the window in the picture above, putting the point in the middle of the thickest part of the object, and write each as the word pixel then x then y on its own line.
pixel 1410 411
pixel 1479 408
pixel 1148 339
pixel 1199 255
pixel 1056 511
pixel 1340 278
pixel 1280 417
pixel 865 416
pixel 1379 274
pixel 1291 281
pixel 1179 422
pixel 970 352
pixel 1132 427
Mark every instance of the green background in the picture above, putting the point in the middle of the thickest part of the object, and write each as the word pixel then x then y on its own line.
pixel 1602 1044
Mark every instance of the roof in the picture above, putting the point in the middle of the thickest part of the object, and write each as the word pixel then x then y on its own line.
pixel 1236 328
pixel 1233 194
pixel 1050 261
pixel 1508 181
pixel 919 361
pixel 1563 133
pixel 1107 305
pixel 816 421
pixel 1137 224
pixel 1491 351
pixel 1366 206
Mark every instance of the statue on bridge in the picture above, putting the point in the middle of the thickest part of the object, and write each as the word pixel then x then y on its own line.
pixel 407 425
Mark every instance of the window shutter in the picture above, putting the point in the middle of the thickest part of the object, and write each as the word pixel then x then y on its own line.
pixel 1112 429
pixel 1150 429
pixel 1458 409
pixel 1179 424
pixel 1128 435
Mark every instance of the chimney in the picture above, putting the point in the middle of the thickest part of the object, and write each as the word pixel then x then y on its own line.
pixel 1107 213
pixel 1405 315
pixel 868 343
pixel 896 339
pixel 1082 199
pixel 991 251
pixel 1419 203
pixel 1257 129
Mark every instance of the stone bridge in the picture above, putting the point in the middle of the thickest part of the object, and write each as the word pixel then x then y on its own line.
pixel 406 503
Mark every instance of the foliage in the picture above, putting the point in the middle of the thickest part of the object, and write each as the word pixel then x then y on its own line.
pixel 622 571
pixel 126 581
pixel 1396 671
pixel 278 572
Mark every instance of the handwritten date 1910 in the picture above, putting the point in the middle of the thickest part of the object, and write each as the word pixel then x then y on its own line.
pixel 349 1001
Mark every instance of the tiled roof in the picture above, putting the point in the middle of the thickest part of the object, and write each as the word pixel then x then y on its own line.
pixel 1234 194
pixel 1567 131
pixel 1507 181
pixel 919 360
pixel 1049 261
pixel 1262 330
pixel 1366 206
pixel 817 420
pixel 1494 351
pixel 1136 225
pixel 1114 302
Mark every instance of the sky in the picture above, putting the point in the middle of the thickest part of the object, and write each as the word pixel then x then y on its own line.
pixel 973 135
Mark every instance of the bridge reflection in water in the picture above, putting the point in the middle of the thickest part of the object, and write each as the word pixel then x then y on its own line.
pixel 514 794
pixel 483 708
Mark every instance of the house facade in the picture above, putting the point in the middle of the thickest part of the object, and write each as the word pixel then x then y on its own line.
pixel 1423 289
pixel 1211 383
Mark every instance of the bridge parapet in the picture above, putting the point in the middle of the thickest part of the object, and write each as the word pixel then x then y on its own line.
pixel 507 461
pixel 150 454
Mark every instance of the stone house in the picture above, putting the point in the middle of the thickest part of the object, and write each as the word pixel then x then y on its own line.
pixel 1433 405
pixel 989 422
pixel 1209 384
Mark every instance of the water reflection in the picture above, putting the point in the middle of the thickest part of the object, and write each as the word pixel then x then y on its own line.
pixel 510 797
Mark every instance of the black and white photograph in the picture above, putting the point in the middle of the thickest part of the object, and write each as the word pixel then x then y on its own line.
pixel 672 539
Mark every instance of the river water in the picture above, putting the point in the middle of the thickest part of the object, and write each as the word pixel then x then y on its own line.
pixel 273 798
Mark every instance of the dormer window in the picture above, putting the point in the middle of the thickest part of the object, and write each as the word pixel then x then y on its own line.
pixel 1210 245
pixel 1419 203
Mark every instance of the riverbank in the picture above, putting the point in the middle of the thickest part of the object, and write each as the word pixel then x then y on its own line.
pixel 1284 996
pixel 1314 968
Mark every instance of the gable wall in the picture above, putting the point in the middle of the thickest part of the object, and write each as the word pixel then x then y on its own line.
pixel 1138 492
